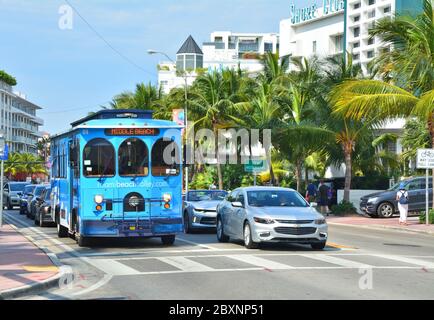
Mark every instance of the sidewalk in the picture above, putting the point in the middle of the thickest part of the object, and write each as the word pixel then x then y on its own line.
pixel 393 223
pixel 23 266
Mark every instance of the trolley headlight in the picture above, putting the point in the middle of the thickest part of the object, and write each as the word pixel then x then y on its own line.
pixel 167 197
pixel 134 201
pixel 99 199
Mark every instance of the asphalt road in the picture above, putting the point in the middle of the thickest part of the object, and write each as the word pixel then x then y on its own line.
pixel 357 264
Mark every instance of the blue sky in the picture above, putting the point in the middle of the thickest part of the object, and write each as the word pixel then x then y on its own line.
pixel 72 72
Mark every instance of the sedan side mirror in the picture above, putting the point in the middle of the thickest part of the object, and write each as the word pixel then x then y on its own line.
pixel 237 204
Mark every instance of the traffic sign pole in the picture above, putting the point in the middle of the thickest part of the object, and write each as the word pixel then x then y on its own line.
pixel 1 193
pixel 427 197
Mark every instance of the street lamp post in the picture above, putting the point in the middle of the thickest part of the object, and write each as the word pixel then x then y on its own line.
pixel 184 75
pixel 2 151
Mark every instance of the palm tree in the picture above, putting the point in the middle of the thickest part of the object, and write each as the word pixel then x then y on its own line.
pixel 212 103
pixel 410 64
pixel 144 97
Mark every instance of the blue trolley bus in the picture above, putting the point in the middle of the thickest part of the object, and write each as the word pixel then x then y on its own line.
pixel 117 173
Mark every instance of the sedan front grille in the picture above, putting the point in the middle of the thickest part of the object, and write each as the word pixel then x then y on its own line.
pixel 208 221
pixel 295 231
pixel 295 221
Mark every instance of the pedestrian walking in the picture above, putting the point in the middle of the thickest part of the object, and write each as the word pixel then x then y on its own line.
pixel 311 192
pixel 402 198
pixel 323 198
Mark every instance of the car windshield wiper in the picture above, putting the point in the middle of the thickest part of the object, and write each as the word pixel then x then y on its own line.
pixel 105 168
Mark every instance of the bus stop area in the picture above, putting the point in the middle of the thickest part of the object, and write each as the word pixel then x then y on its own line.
pixel 23 266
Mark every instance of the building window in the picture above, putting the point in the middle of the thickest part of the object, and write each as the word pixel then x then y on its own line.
pixel 356 18
pixel 356 32
pixel 371 41
pixel 356 45
pixel 268 47
pixel 371 2
pixel 189 62
pixel 356 5
pixel 180 63
pixel 387 9
pixel 370 54
pixel 339 43
pixel 314 47
pixel 371 14
pixel 356 56
pixel 199 61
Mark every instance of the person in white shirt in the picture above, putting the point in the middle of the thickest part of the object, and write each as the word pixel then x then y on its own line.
pixel 402 198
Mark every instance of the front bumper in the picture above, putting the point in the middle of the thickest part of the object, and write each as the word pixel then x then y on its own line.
pixel 279 232
pixel 369 208
pixel 204 219
pixel 15 201
pixel 122 228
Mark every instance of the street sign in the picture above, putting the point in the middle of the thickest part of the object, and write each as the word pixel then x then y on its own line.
pixel 4 153
pixel 255 166
pixel 425 159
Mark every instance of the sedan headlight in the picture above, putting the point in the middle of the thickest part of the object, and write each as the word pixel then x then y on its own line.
pixel 320 221
pixel 372 200
pixel 263 221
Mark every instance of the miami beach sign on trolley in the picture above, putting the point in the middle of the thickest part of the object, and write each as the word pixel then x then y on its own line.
pixel 299 15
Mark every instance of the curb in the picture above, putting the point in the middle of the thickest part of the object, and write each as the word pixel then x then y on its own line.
pixel 64 271
pixel 380 227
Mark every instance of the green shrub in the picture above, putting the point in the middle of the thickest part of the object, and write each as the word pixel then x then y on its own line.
pixel 344 208
pixel 7 78
pixel 422 217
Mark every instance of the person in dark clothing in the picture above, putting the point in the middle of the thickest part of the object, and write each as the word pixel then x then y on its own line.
pixel 323 197
pixel 311 192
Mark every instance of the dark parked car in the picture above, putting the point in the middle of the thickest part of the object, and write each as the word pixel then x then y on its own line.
pixel 43 209
pixel 12 192
pixel 31 212
pixel 26 198
pixel 200 209
pixel 384 204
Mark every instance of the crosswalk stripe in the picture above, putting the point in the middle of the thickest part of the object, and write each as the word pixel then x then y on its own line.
pixel 417 262
pixel 112 267
pixel 260 262
pixel 338 261
pixel 185 264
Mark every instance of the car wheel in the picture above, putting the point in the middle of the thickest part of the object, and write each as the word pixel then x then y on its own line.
pixel 318 246
pixel 168 240
pixel 187 227
pixel 221 237
pixel 248 241
pixel 81 241
pixel 386 210
pixel 41 220
pixel 62 232
pixel 10 206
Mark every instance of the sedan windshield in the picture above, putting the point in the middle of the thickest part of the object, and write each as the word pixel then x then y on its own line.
pixel 38 191
pixel 276 199
pixel 29 189
pixel 207 196
pixel 17 187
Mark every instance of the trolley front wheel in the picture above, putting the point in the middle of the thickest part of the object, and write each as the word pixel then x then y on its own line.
pixel 168 240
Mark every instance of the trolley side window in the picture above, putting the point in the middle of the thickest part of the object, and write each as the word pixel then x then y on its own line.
pixel 165 159
pixel 99 159
pixel 133 158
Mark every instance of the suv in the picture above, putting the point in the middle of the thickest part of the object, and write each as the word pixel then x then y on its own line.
pixel 12 192
pixel 384 204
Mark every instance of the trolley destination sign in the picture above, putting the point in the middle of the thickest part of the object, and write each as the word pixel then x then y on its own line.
pixel 132 132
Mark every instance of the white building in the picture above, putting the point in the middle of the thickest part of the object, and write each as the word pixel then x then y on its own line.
pixel 18 120
pixel 226 50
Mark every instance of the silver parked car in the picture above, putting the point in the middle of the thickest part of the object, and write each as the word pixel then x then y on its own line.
pixel 200 209
pixel 12 192
pixel 269 214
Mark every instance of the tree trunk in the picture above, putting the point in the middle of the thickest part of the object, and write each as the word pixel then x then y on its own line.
pixel 298 174
pixel 348 172
pixel 219 168
pixel 270 165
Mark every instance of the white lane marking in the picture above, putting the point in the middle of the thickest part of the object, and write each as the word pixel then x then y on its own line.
pixel 97 285
pixel 111 267
pixel 185 265
pixel 198 244
pixel 260 262
pixel 338 261
pixel 422 263
pixel 152 251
